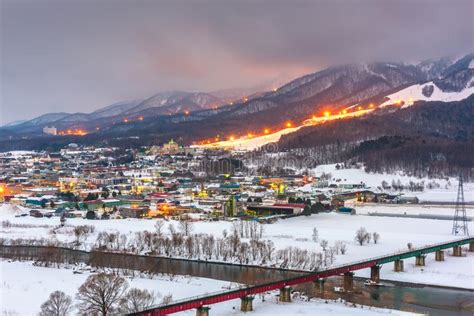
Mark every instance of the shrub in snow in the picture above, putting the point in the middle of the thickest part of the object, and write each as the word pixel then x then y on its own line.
pixel 362 236
pixel 315 235
pixel 167 299
pixel 376 237
pixel 324 244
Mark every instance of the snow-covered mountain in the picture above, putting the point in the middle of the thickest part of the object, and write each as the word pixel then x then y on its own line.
pixel 176 101
pixel 164 103
pixel 18 122
pixel 451 82
pixel 115 109
pixel 342 86
pixel 47 118
pixel 331 89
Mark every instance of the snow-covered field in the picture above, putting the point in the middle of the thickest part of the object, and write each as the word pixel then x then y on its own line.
pixel 442 190
pixel 415 93
pixel 25 287
pixel 409 209
pixel 395 234
pixel 272 307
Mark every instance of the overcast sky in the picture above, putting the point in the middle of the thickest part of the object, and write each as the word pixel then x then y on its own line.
pixel 77 56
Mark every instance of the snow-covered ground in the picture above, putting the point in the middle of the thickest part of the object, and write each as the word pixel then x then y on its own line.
pixel 454 271
pixel 395 234
pixel 442 190
pixel 271 307
pixel 415 93
pixel 251 142
pixel 25 287
pixel 408 209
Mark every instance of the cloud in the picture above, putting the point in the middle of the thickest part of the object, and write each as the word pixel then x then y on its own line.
pixel 80 55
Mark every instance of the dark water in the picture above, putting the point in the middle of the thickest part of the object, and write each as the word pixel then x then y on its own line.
pixel 411 298
pixel 421 299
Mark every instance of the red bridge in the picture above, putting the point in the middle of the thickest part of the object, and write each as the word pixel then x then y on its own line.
pixel 285 285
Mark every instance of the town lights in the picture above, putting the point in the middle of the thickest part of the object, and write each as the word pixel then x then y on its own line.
pixel 314 117
pixel 359 108
pixel 249 135
pixel 266 131
pixel 186 112
pixel 140 118
pixel 231 138
pixel 327 114
pixel 246 99
pixel 274 89
pixel 125 120
pixel 344 111
pixel 371 105
pixel 288 124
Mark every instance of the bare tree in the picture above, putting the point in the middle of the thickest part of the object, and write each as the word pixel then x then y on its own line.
pixel 186 227
pixel 324 244
pixel 361 236
pixel 343 248
pixel 376 237
pixel 315 235
pixel 410 246
pixel 340 247
pixel 58 304
pixel 136 300
pixel 159 225
pixel 82 231
pixel 101 293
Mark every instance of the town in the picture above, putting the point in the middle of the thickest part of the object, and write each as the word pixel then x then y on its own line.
pixel 262 208
pixel 172 181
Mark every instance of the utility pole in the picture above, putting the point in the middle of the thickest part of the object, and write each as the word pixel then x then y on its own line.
pixel 460 220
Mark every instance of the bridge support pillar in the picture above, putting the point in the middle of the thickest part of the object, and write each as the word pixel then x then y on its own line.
pixel 202 311
pixel 348 281
pixel 375 273
pixel 398 265
pixel 285 294
pixel 471 246
pixel 319 287
pixel 246 303
pixel 439 255
pixel 457 251
pixel 420 260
